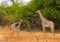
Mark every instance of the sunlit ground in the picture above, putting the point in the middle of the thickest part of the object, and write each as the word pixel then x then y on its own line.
pixel 24 36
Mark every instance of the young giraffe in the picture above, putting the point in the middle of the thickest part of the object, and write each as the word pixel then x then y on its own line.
pixel 15 27
pixel 45 22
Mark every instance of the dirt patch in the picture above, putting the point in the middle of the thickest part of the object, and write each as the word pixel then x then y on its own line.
pixel 24 36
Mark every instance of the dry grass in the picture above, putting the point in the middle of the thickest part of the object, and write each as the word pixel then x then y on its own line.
pixel 24 36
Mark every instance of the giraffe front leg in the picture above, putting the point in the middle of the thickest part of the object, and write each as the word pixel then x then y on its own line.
pixel 44 29
pixel 52 30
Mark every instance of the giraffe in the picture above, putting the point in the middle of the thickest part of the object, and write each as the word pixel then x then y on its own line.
pixel 15 27
pixel 45 23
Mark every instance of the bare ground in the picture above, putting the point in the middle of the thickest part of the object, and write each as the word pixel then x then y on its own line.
pixel 24 36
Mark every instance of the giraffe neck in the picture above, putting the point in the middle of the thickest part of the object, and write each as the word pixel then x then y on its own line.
pixel 41 16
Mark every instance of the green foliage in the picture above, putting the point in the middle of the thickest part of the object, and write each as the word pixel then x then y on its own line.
pixel 13 13
pixel 50 9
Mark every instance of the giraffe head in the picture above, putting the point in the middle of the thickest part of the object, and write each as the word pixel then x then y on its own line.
pixel 37 11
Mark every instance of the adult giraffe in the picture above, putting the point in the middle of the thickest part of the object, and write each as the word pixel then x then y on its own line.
pixel 45 22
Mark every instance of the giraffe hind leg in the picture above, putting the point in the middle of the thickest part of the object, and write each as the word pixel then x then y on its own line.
pixel 52 29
